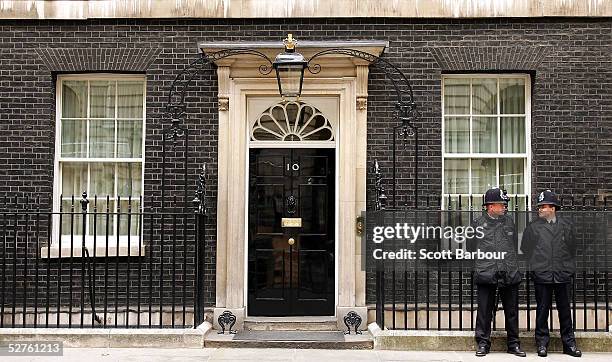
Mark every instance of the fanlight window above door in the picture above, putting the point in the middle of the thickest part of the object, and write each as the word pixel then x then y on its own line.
pixel 292 121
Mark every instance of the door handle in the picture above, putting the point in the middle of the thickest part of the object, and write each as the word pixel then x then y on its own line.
pixel 291 241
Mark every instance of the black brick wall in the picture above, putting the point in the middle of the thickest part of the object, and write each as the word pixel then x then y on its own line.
pixel 569 60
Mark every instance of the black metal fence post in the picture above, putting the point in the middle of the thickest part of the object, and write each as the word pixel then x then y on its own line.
pixel 84 203
pixel 381 204
pixel 606 261
pixel 199 202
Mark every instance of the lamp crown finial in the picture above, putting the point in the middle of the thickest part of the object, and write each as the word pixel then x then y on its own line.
pixel 290 43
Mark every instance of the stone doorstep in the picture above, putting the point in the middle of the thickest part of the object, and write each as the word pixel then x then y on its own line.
pixel 361 341
pixel 111 338
pixel 464 340
pixel 290 324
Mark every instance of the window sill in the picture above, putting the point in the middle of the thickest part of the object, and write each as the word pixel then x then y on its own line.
pixel 101 251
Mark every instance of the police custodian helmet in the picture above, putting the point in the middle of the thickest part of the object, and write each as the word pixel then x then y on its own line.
pixel 495 196
pixel 548 197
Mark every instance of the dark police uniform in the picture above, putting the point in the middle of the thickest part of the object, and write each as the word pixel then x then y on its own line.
pixel 550 247
pixel 496 275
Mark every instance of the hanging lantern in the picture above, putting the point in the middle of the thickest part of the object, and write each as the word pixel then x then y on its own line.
pixel 289 67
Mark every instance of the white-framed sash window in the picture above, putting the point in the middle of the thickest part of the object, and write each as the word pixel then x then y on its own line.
pixel 485 138
pixel 99 150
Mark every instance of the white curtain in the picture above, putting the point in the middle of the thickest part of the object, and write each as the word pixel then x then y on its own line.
pixel 483 175
pixel 457 134
pixel 512 101
pixel 74 99
pixel 456 96
pixel 74 182
pixel 102 101
pixel 129 132
pixel 512 95
pixel 129 145
pixel 484 96
pixel 102 179
pixel 512 134
pixel 129 179
pixel 102 138
pixel 129 139
pixel 129 99
pixel 456 176
pixel 74 138
pixel 74 179
pixel 484 134
pixel 512 175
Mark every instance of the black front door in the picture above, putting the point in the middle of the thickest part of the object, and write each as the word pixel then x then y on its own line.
pixel 291 232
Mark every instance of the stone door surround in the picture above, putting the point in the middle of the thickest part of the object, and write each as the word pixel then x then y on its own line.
pixel 341 76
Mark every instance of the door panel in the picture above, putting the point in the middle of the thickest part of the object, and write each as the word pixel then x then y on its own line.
pixel 284 279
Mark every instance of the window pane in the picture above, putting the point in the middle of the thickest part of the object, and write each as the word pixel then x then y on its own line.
pixel 477 200
pixel 453 218
pixel 102 220
pixel 129 180
pixel 102 101
pixel 457 134
pixel 74 99
pixel 483 175
pixel 520 217
pixel 129 139
pixel 484 134
pixel 270 128
pixel 305 115
pixel 74 138
pixel 102 179
pixel 317 130
pixel 101 138
pixel 456 96
pixel 521 201
pixel 74 179
pixel 512 134
pixel 512 95
pixel 290 77
pixel 456 176
pixel 129 99
pixel 512 175
pixel 484 98
pixel 130 219
pixel 292 112
pixel 72 220
pixel 456 202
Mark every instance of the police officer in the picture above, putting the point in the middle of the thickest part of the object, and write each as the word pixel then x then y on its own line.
pixel 550 246
pixel 493 276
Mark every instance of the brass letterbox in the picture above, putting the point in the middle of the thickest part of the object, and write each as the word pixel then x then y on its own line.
pixel 291 222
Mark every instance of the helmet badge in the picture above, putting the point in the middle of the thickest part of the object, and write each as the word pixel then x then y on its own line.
pixel 503 195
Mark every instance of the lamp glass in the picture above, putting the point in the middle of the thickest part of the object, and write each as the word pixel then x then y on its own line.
pixel 290 78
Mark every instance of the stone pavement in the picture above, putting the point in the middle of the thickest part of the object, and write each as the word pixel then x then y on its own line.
pixel 276 355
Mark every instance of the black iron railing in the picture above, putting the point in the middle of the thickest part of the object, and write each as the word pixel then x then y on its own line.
pixel 441 295
pixel 91 264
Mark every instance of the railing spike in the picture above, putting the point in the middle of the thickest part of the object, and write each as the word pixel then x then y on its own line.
pixel 84 202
